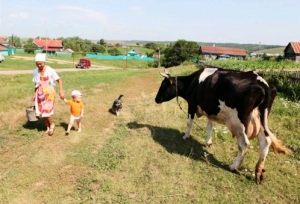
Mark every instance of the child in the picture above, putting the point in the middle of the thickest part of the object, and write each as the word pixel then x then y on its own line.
pixel 77 110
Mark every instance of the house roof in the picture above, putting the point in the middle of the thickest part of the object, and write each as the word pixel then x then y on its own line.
pixel 222 50
pixel 3 48
pixel 48 43
pixel 295 46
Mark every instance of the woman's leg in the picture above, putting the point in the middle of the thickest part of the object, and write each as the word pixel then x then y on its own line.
pixel 49 121
pixel 47 124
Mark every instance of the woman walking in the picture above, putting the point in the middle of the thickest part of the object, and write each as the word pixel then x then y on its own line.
pixel 45 79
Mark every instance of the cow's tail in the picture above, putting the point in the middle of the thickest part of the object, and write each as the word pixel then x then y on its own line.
pixel 278 146
pixel 265 108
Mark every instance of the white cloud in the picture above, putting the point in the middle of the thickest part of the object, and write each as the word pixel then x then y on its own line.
pixel 86 12
pixel 22 15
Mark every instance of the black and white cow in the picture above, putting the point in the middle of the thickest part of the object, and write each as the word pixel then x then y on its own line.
pixel 239 100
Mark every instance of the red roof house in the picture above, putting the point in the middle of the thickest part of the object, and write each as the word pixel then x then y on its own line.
pixel 49 45
pixel 218 51
pixel 292 51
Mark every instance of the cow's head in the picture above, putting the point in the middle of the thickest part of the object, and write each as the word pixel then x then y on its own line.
pixel 167 89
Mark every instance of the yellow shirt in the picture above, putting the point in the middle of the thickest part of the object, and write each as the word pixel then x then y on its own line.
pixel 76 107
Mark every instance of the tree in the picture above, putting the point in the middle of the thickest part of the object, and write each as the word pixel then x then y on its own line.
pixel 102 42
pixel 181 51
pixel 30 47
pixel 114 51
pixel 15 41
pixel 98 48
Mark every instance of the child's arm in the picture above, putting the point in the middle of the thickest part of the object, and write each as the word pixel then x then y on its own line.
pixel 82 112
pixel 65 100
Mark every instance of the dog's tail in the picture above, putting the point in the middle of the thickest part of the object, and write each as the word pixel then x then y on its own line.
pixel 120 97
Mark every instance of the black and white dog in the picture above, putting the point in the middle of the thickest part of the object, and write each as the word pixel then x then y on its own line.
pixel 117 105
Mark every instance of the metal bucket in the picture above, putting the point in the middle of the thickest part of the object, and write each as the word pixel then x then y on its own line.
pixel 30 113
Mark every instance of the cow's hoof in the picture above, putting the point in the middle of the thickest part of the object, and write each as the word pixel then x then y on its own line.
pixel 208 144
pixel 260 176
pixel 185 137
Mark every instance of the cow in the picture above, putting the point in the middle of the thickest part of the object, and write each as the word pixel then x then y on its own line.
pixel 240 100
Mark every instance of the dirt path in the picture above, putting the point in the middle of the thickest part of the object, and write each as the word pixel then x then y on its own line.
pixel 67 69
pixel 13 72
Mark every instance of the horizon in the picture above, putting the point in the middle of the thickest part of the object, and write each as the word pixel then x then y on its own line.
pixel 256 22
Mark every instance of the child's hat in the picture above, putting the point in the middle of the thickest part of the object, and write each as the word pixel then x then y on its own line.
pixel 76 92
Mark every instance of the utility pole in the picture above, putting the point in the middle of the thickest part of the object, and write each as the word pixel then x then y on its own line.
pixel 126 57
pixel 12 44
pixel 158 57
pixel 46 43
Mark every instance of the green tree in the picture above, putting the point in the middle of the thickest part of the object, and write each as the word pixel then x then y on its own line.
pixel 15 41
pixel 98 49
pixel 114 51
pixel 102 42
pixel 30 47
pixel 181 51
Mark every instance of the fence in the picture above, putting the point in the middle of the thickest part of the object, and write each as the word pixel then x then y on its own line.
pixel 119 57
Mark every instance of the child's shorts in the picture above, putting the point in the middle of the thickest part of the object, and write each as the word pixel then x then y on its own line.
pixel 75 117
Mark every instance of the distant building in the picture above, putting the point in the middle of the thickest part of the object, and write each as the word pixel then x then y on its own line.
pixel 49 46
pixel 219 52
pixel 292 51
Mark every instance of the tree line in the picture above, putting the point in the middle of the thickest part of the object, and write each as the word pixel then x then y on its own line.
pixel 170 53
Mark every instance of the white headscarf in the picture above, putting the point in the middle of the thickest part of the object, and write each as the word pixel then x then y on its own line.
pixel 40 57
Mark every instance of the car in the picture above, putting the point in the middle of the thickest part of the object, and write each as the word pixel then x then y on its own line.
pixel 83 63
pixel 1 58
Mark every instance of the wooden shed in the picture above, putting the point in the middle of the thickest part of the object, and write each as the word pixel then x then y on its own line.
pixel 292 51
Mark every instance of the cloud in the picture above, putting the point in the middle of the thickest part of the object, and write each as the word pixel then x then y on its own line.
pixel 21 15
pixel 136 8
pixel 85 12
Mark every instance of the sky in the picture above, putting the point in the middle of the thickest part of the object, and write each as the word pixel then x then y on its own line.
pixel 269 22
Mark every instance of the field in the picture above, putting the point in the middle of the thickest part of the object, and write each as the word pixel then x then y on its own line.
pixel 138 157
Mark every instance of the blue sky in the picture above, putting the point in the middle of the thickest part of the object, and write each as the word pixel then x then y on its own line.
pixel 273 22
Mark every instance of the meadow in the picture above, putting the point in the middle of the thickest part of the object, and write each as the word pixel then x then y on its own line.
pixel 138 157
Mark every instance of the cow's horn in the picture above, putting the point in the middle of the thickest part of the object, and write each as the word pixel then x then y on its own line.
pixel 164 75
pixel 166 71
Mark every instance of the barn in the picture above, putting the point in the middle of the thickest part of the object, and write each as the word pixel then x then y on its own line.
pixel 218 52
pixel 292 51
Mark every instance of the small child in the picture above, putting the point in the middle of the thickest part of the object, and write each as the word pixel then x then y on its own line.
pixel 77 110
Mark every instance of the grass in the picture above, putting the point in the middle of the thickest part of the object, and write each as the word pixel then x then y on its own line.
pixel 138 157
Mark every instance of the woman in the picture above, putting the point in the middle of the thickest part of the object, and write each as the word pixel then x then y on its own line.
pixel 45 79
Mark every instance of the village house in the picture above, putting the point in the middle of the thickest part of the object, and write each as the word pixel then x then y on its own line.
pixel 292 51
pixel 49 46
pixel 215 52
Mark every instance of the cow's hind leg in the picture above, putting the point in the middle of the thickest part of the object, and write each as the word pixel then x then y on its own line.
pixel 264 144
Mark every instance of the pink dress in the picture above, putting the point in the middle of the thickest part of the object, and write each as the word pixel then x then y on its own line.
pixel 45 97
pixel 45 94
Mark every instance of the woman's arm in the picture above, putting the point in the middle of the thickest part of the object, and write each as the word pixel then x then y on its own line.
pixel 61 92
pixel 34 95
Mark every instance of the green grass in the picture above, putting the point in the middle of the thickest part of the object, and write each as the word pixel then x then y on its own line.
pixel 138 157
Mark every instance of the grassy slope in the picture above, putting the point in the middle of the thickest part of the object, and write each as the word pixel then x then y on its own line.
pixel 138 157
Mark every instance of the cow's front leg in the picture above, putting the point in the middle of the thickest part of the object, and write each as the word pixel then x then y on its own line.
pixel 209 128
pixel 189 126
